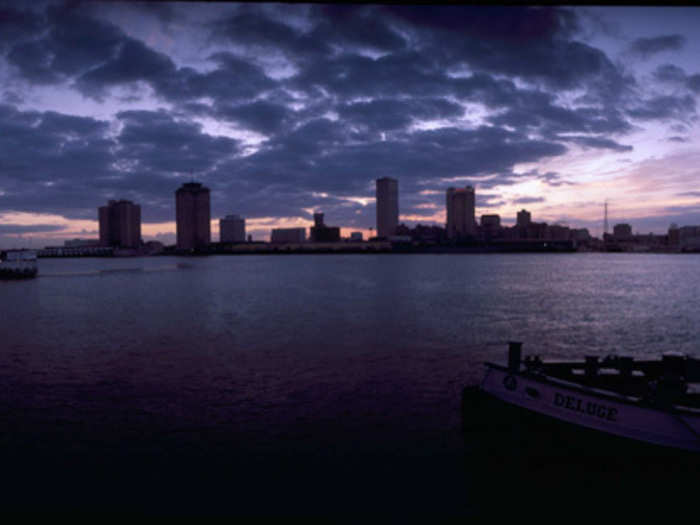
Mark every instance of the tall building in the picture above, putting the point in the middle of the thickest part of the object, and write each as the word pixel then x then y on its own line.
pixel 461 220
pixel 193 217
pixel 120 224
pixel 524 219
pixel 387 206
pixel 232 229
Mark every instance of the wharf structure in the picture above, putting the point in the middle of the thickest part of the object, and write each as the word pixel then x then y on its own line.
pixel 192 216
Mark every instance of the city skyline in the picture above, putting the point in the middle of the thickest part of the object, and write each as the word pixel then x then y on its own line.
pixel 286 109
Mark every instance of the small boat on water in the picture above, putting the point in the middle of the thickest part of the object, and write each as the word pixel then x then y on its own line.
pixel 18 264
pixel 594 407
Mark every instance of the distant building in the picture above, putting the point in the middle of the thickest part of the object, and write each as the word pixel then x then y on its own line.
pixel 319 232
pixel 556 232
pixel 622 232
pixel 524 219
pixel 689 237
pixel 674 235
pixel 77 243
pixel 288 235
pixel 356 236
pixel 387 206
pixel 490 221
pixel 120 224
pixel 193 217
pixel 490 227
pixel 461 220
pixel 232 229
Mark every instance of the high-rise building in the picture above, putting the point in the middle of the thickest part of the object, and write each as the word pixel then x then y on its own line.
pixel 524 219
pixel 193 217
pixel 387 206
pixel 232 229
pixel 120 224
pixel 461 220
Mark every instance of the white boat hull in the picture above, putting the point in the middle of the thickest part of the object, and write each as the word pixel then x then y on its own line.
pixel 605 412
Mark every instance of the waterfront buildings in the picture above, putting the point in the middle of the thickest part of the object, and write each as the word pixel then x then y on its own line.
pixel 288 235
pixel 524 219
pixel 622 232
pixel 319 232
pixel 120 224
pixel 387 206
pixel 461 220
pixel 193 217
pixel 232 229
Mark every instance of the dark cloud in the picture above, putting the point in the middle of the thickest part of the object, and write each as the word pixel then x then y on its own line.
pixel 134 61
pixel 513 85
pixel 693 82
pixel 677 139
pixel 669 73
pixel 598 142
pixel 664 107
pixel 21 229
pixel 392 114
pixel 528 200
pixel 17 25
pixel 646 47
pixel 153 142
pixel 262 116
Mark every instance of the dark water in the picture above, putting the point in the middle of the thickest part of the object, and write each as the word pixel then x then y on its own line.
pixel 294 384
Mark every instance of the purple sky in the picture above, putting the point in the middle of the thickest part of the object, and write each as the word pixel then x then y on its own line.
pixel 282 109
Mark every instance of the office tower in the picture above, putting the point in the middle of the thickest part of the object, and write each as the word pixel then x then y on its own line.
pixel 461 220
pixel 318 220
pixel 387 206
pixel 120 224
pixel 193 217
pixel 524 219
pixel 232 229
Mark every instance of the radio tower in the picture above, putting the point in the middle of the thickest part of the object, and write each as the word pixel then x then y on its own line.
pixel 605 220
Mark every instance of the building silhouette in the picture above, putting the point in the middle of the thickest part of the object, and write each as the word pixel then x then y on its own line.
pixel 288 235
pixel 461 220
pixel 193 217
pixel 387 206
pixel 523 219
pixel 120 224
pixel 319 232
pixel 232 229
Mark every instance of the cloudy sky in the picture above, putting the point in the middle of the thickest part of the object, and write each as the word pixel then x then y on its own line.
pixel 283 109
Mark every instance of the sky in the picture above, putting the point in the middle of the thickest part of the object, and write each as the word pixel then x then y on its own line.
pixel 286 109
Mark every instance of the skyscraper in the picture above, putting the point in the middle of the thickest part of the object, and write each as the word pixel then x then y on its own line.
pixel 523 219
pixel 193 216
pixel 120 224
pixel 387 206
pixel 232 229
pixel 461 220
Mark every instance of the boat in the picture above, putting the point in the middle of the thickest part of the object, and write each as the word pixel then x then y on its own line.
pixel 18 264
pixel 597 406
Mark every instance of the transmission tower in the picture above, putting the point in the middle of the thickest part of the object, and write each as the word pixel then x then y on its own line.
pixel 605 220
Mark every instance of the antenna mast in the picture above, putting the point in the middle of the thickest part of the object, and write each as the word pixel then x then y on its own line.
pixel 605 220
